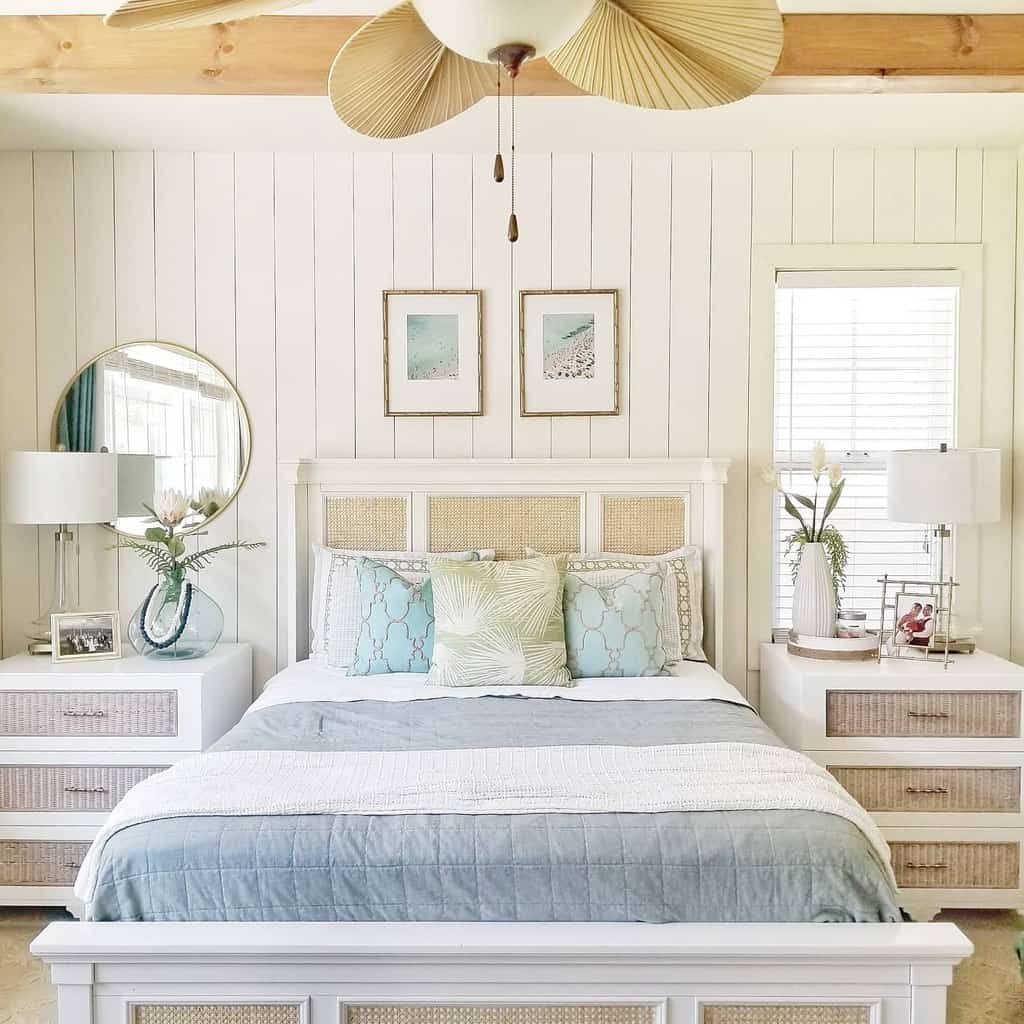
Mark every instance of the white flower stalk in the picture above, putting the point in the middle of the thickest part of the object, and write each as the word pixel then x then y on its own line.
pixel 835 474
pixel 818 460
pixel 170 507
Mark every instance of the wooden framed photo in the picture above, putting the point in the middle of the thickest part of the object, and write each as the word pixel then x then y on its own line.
pixel 85 636
pixel 433 345
pixel 569 352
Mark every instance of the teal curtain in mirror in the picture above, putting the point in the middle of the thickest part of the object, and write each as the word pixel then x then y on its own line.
pixel 75 421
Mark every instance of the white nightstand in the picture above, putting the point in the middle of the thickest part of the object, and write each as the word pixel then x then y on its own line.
pixel 74 737
pixel 935 755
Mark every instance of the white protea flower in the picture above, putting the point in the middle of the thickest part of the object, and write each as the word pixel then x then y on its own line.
pixel 770 477
pixel 209 500
pixel 835 474
pixel 170 506
pixel 818 460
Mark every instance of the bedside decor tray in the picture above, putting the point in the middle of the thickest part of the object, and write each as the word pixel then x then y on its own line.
pixel 833 648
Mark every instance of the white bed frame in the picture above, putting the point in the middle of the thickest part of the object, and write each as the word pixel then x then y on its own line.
pixel 543 973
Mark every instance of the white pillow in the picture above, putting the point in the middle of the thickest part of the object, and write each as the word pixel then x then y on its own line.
pixel 684 621
pixel 334 611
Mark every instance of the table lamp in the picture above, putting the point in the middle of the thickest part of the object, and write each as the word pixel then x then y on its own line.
pixel 59 488
pixel 944 487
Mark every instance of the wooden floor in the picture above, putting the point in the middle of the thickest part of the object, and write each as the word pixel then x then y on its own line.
pixel 988 988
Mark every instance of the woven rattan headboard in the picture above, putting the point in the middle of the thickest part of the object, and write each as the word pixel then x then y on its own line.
pixel 644 506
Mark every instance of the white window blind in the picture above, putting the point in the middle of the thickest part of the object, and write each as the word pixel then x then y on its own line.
pixel 866 363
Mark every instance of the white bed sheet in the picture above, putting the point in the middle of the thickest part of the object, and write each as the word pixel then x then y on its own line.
pixel 313 681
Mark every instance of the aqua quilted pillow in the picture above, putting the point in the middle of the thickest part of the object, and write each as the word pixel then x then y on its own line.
pixel 396 631
pixel 615 629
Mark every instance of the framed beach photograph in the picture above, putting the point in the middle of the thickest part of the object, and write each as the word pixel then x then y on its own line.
pixel 569 352
pixel 433 344
pixel 85 636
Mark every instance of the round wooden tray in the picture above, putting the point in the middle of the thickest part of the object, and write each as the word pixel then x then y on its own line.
pixel 834 648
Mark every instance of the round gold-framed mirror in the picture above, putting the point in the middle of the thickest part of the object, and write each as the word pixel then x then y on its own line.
pixel 174 419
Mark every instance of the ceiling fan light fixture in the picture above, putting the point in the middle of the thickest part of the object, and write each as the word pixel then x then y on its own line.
pixel 474 28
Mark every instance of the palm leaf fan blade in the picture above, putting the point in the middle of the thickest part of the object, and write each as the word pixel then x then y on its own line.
pixel 673 54
pixel 394 78
pixel 157 14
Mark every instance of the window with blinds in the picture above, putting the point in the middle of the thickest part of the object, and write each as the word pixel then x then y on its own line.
pixel 866 363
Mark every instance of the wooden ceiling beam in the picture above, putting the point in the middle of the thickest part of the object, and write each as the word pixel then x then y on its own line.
pixel 291 56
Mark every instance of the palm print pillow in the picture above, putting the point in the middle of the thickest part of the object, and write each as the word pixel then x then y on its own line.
pixel 499 623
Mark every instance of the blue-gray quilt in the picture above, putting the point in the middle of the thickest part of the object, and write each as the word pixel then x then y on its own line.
pixel 757 865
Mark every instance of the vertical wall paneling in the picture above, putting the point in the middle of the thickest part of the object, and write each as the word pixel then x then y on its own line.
pixel 690 304
pixel 334 268
pixel 531 265
pixel 813 173
pixel 492 274
pixel 256 379
pixel 853 196
pixel 651 304
pixel 935 196
pixel 134 309
pixel 175 213
pixel 1016 484
pixel 772 196
pixel 571 224
pixel 412 258
pixel 374 272
pixel 215 339
pixel 894 195
pixel 274 268
pixel 772 177
pixel 999 237
pixel 611 245
pixel 968 195
pixel 94 333
pixel 453 268
pixel 56 359
pixel 295 329
pixel 18 544
pixel 728 386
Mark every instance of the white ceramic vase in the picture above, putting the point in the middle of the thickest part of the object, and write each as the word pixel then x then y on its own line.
pixel 814 597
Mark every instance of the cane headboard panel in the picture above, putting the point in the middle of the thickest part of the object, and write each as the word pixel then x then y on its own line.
pixel 643 506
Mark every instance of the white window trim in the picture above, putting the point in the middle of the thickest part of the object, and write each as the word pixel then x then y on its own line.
pixel 767 261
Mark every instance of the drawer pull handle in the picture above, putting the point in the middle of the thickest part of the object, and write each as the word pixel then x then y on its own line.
pixel 929 714
pixel 939 866
pixel 926 789
pixel 71 867
pixel 89 713
pixel 86 789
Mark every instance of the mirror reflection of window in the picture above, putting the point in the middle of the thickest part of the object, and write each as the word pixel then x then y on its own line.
pixel 173 418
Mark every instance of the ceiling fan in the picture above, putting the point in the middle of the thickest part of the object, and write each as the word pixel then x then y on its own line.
pixel 425 61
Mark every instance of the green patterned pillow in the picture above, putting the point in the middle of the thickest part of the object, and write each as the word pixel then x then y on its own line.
pixel 499 623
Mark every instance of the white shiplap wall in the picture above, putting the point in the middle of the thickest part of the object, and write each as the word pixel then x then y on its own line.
pixel 273 267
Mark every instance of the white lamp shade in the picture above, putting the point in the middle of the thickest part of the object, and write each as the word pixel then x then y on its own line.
pixel 475 27
pixel 956 486
pixel 60 487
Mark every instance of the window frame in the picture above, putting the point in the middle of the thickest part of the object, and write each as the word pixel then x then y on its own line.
pixel 767 262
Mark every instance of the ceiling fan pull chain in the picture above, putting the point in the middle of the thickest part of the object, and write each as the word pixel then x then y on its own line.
pixel 499 164
pixel 513 223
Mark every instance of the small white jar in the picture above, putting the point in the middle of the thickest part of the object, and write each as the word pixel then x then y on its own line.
pixel 851 624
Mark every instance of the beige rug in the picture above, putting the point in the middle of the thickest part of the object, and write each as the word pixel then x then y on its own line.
pixel 988 988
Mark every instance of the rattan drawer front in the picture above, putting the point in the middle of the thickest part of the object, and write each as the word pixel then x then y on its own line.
pixel 216 1013
pixel 32 862
pixel 932 789
pixel 467 1013
pixel 88 713
pixel 956 865
pixel 785 1013
pixel 925 713
pixel 53 787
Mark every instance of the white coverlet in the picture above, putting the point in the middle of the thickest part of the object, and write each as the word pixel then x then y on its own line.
pixel 497 780
pixel 312 681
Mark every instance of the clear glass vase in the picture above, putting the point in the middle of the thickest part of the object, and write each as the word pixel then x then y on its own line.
pixel 177 619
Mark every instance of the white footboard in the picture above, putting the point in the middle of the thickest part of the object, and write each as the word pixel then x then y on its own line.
pixel 423 973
